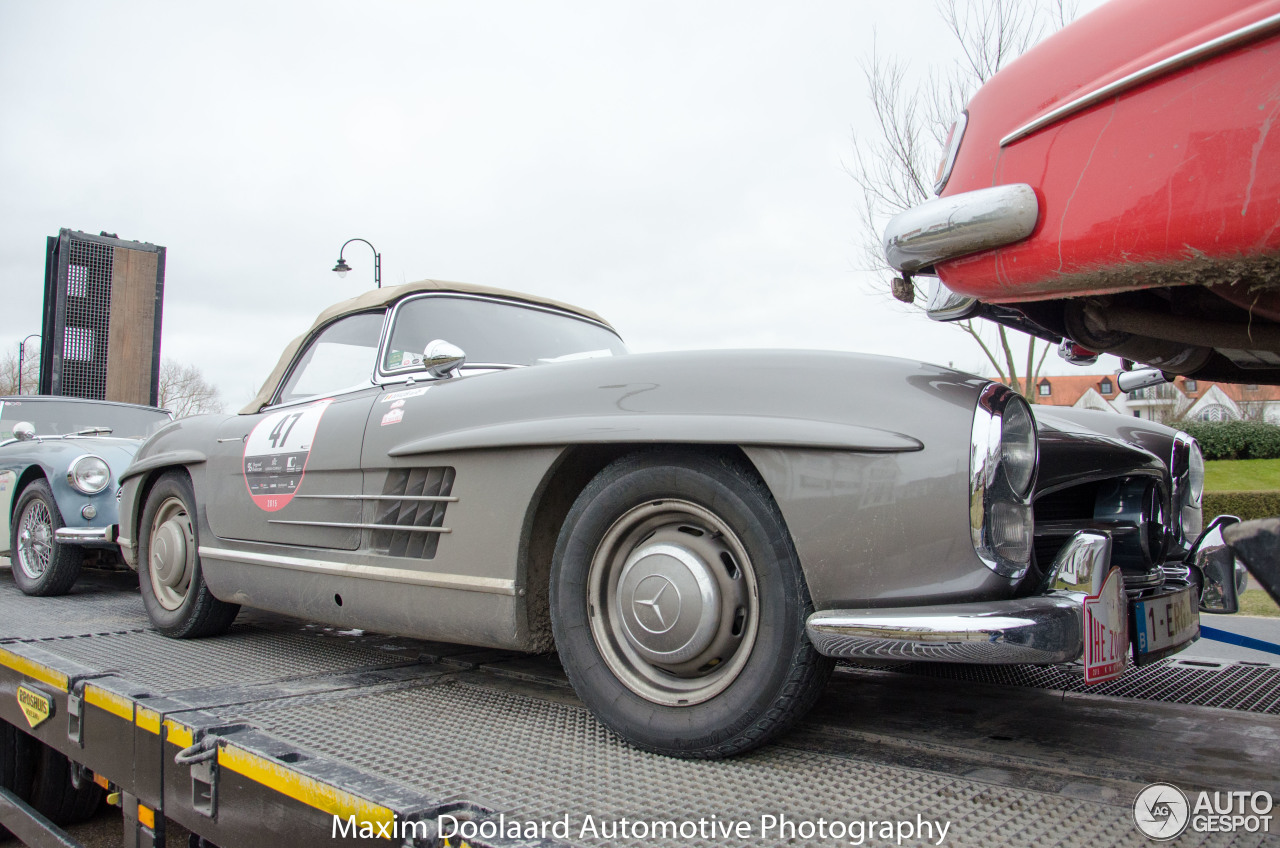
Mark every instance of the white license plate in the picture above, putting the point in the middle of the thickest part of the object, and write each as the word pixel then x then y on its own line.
pixel 1164 624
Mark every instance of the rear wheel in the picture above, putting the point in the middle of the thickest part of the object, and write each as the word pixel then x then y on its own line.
pixel 678 607
pixel 42 777
pixel 42 565
pixel 56 796
pixel 176 598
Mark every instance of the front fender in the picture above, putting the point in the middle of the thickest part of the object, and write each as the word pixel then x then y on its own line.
pixel 711 429
pixel 167 448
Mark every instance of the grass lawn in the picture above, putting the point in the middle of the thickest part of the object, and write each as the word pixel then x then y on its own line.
pixel 1258 602
pixel 1242 475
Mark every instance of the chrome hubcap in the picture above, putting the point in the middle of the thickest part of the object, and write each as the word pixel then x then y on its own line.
pixel 673 602
pixel 35 539
pixel 171 554
pixel 669 603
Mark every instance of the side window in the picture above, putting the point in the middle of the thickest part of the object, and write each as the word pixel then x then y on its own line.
pixel 339 359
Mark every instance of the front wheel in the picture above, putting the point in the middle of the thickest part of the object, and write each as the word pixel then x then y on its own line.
pixel 678 607
pixel 176 598
pixel 42 565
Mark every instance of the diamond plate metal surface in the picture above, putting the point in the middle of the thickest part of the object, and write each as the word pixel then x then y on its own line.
pixel 455 737
pixel 536 760
pixel 247 655
pixel 99 603
pixel 1233 686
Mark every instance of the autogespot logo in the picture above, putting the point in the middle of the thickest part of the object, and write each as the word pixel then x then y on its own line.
pixel 1161 811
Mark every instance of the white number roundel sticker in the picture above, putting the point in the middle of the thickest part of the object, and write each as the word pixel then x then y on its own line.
pixel 275 454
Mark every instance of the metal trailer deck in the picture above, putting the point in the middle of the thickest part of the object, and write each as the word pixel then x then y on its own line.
pixel 301 723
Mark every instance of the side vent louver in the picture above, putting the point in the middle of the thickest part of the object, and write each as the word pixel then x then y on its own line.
pixel 413 498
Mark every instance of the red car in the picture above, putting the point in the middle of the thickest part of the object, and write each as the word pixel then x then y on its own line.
pixel 1118 186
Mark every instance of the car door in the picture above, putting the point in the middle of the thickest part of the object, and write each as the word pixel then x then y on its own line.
pixel 290 474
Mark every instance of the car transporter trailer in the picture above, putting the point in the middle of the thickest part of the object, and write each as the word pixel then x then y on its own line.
pixel 284 733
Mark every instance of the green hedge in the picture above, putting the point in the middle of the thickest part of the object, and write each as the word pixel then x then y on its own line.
pixel 1244 505
pixel 1235 439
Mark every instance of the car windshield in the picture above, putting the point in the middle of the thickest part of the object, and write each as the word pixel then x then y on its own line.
pixel 494 333
pixel 62 417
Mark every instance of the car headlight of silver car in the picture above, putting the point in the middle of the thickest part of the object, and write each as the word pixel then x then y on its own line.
pixel 1003 466
pixel 1186 467
pixel 89 474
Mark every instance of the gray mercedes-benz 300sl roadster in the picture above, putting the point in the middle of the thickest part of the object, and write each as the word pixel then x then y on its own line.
pixel 698 534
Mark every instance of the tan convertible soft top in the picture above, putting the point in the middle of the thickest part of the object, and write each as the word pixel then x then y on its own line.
pixel 375 298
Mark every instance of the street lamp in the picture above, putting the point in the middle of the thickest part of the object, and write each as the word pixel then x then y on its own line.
pixel 22 349
pixel 342 267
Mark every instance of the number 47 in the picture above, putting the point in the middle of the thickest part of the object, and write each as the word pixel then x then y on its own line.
pixel 280 433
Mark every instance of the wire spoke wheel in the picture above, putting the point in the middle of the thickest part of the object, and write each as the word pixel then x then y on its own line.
pixel 35 539
pixel 171 553
pixel 674 603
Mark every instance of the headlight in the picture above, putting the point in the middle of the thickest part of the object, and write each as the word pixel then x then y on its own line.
pixel 1186 467
pixel 1195 475
pixel 1018 445
pixel 89 474
pixel 1005 453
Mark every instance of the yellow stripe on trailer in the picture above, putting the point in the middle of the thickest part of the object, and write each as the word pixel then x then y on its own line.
pixel 34 670
pixel 178 734
pixel 109 701
pixel 312 792
pixel 146 719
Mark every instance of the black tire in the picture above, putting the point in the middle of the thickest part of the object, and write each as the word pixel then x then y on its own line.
pixel 55 796
pixel 41 776
pixel 709 528
pixel 42 566
pixel 177 599
pixel 17 760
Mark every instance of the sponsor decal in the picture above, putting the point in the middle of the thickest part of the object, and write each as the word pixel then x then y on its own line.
pixel 35 705
pixel 403 359
pixel 1106 631
pixel 276 453
pixel 405 393
pixel 394 416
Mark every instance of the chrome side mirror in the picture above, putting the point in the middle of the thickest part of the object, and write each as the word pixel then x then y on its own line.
pixel 24 431
pixel 1217 565
pixel 442 359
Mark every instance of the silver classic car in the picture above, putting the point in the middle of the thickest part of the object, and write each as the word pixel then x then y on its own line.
pixel 59 460
pixel 697 534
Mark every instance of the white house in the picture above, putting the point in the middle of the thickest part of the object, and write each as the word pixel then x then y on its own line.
pixel 1194 400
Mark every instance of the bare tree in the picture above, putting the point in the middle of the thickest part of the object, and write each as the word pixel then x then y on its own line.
pixel 9 383
pixel 185 391
pixel 894 164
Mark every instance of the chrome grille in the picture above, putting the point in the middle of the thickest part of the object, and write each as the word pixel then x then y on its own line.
pixel 412 498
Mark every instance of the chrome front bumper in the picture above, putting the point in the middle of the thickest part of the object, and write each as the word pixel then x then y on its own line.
pixel 947 227
pixel 1040 630
pixel 85 535
pixel 1043 629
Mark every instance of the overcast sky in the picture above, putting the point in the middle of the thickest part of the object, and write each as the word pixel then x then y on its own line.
pixel 678 167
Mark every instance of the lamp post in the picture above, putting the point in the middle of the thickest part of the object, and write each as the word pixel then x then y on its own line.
pixel 22 350
pixel 342 267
